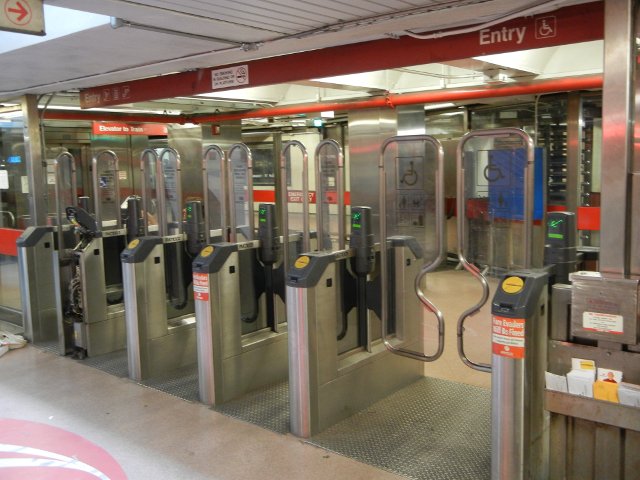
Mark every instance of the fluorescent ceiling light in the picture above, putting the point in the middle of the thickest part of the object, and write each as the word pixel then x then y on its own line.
pixel 437 106
pixel 13 114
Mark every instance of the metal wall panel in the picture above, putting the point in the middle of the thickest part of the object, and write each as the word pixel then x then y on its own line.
pixel 368 129
pixel 617 105
pixel 36 172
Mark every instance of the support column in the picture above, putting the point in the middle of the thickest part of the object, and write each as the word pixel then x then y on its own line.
pixel 617 136
pixel 36 167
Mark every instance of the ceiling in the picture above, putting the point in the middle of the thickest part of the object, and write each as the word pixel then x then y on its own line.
pixel 131 39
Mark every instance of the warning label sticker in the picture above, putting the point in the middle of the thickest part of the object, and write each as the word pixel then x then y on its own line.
pixel 200 286
pixel 603 322
pixel 508 336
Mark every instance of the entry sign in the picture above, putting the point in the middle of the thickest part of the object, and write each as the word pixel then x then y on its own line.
pixel 22 16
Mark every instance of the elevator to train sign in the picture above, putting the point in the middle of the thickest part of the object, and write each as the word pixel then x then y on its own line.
pixel 22 16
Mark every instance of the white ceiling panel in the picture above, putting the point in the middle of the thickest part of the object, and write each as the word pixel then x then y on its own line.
pixel 236 31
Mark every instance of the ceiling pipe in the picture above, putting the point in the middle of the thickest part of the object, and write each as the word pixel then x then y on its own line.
pixel 391 100
pixel 438 96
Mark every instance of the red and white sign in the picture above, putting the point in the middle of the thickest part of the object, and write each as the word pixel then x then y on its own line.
pixel 508 336
pixel 119 128
pixel 603 322
pixel 36 450
pixel 525 34
pixel 296 196
pixel 200 286
pixel 22 16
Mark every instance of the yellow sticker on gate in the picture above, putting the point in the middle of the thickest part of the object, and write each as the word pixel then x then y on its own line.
pixel 302 262
pixel 513 285
pixel 133 244
pixel 206 251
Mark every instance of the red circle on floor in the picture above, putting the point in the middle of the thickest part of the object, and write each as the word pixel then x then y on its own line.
pixel 30 450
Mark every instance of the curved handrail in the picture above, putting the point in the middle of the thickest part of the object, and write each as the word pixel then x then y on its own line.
pixel 284 200
pixel 461 226
pixel 441 247
pixel 233 234
pixel 320 193
pixel 223 182
pixel 11 216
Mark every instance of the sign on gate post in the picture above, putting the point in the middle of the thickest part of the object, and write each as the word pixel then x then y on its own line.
pixel 22 16
pixel 519 427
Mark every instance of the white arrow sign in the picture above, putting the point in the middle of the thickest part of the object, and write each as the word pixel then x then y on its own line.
pixel 22 16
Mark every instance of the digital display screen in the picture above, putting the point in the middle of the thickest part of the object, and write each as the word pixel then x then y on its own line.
pixel 554 228
pixel 355 220
pixel 14 159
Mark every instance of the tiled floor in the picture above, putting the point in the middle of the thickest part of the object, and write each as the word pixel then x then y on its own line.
pixel 153 435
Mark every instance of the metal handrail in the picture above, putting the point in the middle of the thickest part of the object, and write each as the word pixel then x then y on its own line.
pixel 462 223
pixel 74 195
pixel 233 234
pixel 441 247
pixel 223 182
pixel 160 187
pixel 11 216
pixel 284 200
pixel 143 176
pixel 320 193
pixel 97 204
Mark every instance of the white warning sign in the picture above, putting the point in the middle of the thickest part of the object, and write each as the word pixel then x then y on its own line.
pixel 230 77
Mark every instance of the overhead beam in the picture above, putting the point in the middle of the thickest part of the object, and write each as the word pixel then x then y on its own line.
pixel 574 24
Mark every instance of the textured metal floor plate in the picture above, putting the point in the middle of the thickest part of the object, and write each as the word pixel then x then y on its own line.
pixel 114 363
pixel 432 429
pixel 51 347
pixel 266 407
pixel 182 383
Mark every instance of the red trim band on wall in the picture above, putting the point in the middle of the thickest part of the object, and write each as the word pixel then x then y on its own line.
pixel 8 237
pixel 588 218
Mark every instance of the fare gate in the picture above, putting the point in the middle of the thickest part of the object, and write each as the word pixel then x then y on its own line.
pixel 160 323
pixel 337 371
pixel 499 196
pixel 239 286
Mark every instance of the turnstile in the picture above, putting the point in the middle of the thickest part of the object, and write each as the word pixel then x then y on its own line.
pixel 43 262
pixel 95 305
pixel 337 371
pixel 239 290
pixel 160 320
pixel 500 190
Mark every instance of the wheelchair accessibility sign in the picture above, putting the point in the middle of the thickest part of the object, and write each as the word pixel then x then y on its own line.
pixel 546 27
